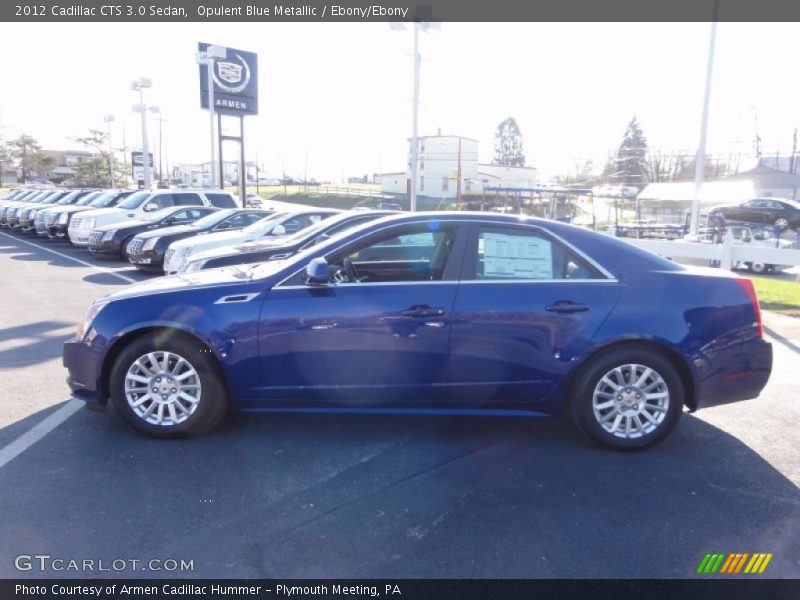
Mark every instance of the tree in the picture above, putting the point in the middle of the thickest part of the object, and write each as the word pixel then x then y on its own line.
pixel 25 150
pixel 508 144
pixel 630 162
pixel 94 171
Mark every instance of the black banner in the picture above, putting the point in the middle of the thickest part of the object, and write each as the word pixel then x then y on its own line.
pixel 404 589
pixel 401 10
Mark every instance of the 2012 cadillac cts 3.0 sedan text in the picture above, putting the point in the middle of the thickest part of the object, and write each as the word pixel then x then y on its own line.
pixel 431 313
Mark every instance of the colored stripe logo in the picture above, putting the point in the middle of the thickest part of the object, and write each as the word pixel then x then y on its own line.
pixel 736 562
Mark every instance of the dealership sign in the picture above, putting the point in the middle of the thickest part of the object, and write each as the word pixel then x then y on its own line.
pixel 137 164
pixel 235 82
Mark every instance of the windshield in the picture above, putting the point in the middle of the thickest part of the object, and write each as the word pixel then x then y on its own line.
pixel 134 200
pixel 212 219
pixel 263 225
pixel 70 196
pixel 87 199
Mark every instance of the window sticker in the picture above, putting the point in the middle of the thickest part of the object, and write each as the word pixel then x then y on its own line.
pixel 516 257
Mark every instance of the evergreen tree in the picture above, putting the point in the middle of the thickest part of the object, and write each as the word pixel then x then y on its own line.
pixel 631 161
pixel 508 144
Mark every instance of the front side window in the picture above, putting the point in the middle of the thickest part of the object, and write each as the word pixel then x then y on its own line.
pixel 187 200
pixel 503 253
pixel 412 253
pixel 221 200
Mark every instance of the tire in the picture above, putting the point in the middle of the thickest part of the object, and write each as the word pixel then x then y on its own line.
pixel 184 403
pixel 757 267
pixel 782 223
pixel 604 423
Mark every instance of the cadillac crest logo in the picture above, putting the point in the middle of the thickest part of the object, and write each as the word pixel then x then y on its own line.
pixel 232 77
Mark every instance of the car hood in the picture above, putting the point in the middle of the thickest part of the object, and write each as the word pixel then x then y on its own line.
pixel 121 225
pixel 106 216
pixel 72 208
pixel 196 280
pixel 173 230
pixel 214 240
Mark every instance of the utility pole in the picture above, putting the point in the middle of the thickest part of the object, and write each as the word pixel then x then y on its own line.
pixel 139 85
pixel 207 58
pixel 701 148
pixel 108 119
pixel 458 175
pixel 414 119
pixel 794 150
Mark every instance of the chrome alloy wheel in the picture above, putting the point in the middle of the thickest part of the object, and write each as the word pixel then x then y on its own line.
pixel 162 388
pixel 631 401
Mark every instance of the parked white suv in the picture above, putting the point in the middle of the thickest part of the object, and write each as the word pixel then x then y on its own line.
pixel 180 254
pixel 141 203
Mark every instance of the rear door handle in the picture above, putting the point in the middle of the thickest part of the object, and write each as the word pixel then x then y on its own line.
pixel 566 306
pixel 422 312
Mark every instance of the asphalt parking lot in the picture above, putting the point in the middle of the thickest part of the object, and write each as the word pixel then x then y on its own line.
pixel 368 497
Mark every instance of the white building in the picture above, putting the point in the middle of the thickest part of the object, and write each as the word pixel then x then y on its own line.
pixel 442 158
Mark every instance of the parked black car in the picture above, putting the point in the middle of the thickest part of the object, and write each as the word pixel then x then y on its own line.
pixel 147 249
pixel 114 238
pixel 771 211
pixel 264 250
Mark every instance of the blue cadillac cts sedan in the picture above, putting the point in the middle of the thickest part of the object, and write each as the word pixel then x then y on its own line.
pixel 431 313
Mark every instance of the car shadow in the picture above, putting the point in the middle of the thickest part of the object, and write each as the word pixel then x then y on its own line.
pixel 347 496
pixel 40 343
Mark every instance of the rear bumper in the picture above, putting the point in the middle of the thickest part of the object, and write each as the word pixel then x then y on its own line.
pixel 741 374
pixel 84 366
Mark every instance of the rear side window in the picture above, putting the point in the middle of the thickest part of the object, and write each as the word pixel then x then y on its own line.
pixel 503 253
pixel 221 200
pixel 161 201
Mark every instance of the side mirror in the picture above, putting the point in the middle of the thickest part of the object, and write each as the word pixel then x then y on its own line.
pixel 170 221
pixel 222 226
pixel 317 272
pixel 278 230
pixel 150 207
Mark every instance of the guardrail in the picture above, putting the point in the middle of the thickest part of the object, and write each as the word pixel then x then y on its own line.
pixel 726 254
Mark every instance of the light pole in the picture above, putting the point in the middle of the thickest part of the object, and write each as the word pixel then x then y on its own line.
pixel 138 86
pixel 207 57
pixel 157 111
pixel 108 120
pixel 399 26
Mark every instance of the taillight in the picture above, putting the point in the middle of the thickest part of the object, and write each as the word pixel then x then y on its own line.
pixel 750 290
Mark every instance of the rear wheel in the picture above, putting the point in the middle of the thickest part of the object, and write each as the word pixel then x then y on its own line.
pixel 629 399
pixel 168 385
pixel 758 267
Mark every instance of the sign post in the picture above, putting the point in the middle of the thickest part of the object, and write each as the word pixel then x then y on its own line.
pixel 228 86
pixel 140 175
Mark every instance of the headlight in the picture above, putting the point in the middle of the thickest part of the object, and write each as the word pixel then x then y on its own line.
pixel 109 235
pixel 150 243
pixel 195 265
pixel 63 218
pixel 89 223
pixel 88 318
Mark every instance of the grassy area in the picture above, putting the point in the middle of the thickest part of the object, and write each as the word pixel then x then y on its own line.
pixel 779 295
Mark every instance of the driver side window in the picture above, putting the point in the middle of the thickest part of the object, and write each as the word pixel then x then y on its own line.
pixel 416 253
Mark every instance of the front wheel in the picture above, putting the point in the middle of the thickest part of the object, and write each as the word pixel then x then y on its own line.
pixel 782 223
pixel 629 399
pixel 168 385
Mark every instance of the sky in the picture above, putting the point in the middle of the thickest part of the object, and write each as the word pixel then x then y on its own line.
pixel 335 99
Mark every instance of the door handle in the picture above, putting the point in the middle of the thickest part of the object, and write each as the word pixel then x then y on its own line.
pixel 566 306
pixel 422 312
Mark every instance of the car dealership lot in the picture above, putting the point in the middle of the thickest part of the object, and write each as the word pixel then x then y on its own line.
pixel 356 496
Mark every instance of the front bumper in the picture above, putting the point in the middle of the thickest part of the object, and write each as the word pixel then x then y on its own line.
pixel 84 366
pixel 56 231
pixel 79 237
pixel 147 259
pixel 98 246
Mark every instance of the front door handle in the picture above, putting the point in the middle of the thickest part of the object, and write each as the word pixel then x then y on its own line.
pixel 566 306
pixel 422 311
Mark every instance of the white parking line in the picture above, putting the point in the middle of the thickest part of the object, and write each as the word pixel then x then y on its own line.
pixel 38 431
pixel 73 259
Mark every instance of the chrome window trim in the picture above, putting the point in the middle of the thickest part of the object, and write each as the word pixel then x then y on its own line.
pixel 490 222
